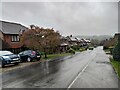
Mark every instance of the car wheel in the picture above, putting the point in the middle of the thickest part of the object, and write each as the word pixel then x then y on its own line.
pixel 3 65
pixel 29 59
pixel 21 61
pixel 38 59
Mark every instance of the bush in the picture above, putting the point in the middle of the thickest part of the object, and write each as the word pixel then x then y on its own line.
pixel 75 47
pixel 104 47
pixel 82 49
pixel 71 51
pixel 116 51
pixel 42 53
pixel 111 50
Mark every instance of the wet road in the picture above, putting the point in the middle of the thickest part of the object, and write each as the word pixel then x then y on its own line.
pixel 89 69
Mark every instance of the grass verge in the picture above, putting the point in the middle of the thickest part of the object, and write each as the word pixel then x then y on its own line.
pixel 116 65
pixel 52 56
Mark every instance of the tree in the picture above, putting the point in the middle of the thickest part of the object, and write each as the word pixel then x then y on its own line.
pixel 41 39
pixel 116 50
pixel 95 42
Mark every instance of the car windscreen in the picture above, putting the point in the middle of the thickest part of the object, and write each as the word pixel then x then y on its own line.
pixel 2 53
pixel 27 52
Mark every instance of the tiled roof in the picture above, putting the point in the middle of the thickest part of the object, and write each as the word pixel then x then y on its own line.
pixel 11 28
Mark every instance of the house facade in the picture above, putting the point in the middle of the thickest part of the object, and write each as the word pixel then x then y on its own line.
pixel 111 42
pixel 10 36
pixel 73 42
pixel 64 44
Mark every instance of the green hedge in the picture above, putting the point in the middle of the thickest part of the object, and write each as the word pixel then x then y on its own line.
pixel 82 49
pixel 116 51
pixel 71 51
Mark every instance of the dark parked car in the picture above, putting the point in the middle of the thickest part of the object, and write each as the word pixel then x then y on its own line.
pixel 91 48
pixel 7 57
pixel 29 55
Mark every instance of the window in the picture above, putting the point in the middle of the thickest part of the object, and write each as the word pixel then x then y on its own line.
pixel 1 59
pixel 15 38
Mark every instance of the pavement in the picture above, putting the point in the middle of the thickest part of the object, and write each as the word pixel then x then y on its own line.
pixel 88 69
pixel 20 65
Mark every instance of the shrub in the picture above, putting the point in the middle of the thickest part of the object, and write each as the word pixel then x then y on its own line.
pixel 111 50
pixel 71 51
pixel 116 51
pixel 42 53
pixel 82 49
pixel 104 47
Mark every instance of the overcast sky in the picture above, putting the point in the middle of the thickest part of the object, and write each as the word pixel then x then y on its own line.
pixel 76 18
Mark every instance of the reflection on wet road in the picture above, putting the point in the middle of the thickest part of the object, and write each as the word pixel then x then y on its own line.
pixel 58 73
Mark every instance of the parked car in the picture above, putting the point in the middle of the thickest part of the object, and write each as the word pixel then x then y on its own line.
pixel 95 46
pixel 7 57
pixel 91 48
pixel 29 55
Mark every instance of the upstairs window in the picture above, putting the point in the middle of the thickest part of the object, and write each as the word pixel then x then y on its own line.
pixel 15 38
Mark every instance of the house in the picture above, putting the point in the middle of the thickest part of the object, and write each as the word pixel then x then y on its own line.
pixel 85 42
pixel 72 41
pixel 67 42
pixel 75 41
pixel 79 41
pixel 0 44
pixel 1 38
pixel 111 42
pixel 116 36
pixel 64 44
pixel 10 36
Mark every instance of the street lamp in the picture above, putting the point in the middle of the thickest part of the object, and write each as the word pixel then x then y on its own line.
pixel 43 36
pixel 45 46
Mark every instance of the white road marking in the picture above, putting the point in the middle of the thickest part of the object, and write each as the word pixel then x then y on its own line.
pixel 79 74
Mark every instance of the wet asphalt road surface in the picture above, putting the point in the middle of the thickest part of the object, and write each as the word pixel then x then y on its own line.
pixel 88 69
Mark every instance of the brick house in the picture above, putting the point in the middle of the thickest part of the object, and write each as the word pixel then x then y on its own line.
pixel 112 41
pixel 9 35
pixel 74 42
pixel 64 44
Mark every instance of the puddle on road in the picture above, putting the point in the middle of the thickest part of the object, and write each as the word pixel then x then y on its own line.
pixel 104 62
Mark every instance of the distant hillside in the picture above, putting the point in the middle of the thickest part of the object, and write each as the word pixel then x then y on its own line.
pixel 95 37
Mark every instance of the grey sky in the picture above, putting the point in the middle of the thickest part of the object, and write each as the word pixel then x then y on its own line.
pixel 77 18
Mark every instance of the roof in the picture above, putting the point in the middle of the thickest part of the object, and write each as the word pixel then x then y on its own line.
pixel 77 38
pixel 71 38
pixel 63 44
pixel 62 37
pixel 85 40
pixel 116 35
pixel 11 28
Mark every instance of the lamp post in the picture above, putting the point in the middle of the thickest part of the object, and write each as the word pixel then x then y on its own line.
pixel 45 46
pixel 43 37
